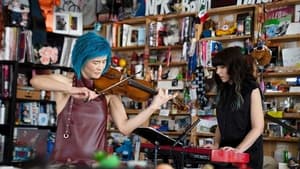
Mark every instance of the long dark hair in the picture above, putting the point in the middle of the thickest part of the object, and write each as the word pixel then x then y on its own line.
pixel 238 70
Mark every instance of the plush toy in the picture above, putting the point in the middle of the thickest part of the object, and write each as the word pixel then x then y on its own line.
pixel 173 33
pixel 262 55
pixel 227 29
pixel 19 13
pixel 208 29
pixel 105 160
pixel 126 150
pixel 47 7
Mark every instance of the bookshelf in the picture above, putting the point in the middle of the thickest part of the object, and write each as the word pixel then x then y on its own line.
pixel 20 133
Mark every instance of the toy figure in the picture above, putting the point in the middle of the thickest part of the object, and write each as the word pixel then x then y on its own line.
pixel 47 10
pixel 126 150
pixel 19 13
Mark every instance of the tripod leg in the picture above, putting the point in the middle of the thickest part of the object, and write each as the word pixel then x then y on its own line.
pixel 155 154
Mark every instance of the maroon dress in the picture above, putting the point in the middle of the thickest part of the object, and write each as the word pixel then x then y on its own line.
pixel 81 129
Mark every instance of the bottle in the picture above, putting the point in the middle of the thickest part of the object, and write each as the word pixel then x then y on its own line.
pixel 159 73
pixel 5 90
pixel 2 114
pixel 248 23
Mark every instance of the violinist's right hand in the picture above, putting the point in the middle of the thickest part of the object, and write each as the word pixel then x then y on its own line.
pixel 83 93
pixel 161 98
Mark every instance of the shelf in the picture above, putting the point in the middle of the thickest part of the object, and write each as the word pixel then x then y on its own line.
pixel 230 9
pixel 172 64
pixel 228 38
pixel 281 94
pixel 133 111
pixel 135 21
pixel 281 3
pixel 171 16
pixel 291 115
pixel 285 38
pixel 166 47
pixel 30 100
pixel 52 128
pixel 281 74
pixel 282 139
pixel 173 132
pixel 126 48
pixel 205 134
pixel 211 94
pixel 275 139
pixel 179 113
pixel 41 66
pixel 4 62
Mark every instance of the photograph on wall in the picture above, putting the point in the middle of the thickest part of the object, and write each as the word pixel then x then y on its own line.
pixel 60 22
pixel 16 12
pixel 275 59
pixel 75 24
pixel 275 129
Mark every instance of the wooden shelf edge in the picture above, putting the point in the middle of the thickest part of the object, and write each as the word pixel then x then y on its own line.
pixel 227 38
pixel 128 48
pixel 132 111
pixel 285 38
pixel 281 74
pixel 204 134
pixel 291 115
pixel 283 94
pixel 230 8
pixel 172 64
pixel 281 3
pixel 282 139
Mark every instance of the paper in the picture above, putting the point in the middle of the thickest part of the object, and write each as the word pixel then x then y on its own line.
pixel 291 56
pixel 294 28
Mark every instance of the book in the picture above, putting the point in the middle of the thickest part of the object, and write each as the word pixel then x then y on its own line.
pixel 297 13
pixel 277 20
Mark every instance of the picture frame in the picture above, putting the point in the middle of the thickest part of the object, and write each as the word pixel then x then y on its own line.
pixel 75 25
pixel 60 22
pixel 275 129
pixel 275 59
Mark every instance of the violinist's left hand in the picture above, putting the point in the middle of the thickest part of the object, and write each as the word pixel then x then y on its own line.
pixel 228 148
pixel 161 98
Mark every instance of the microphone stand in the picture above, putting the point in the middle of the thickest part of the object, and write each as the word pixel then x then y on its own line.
pixel 180 140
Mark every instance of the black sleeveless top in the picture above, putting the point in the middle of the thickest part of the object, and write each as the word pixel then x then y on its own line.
pixel 81 129
pixel 234 125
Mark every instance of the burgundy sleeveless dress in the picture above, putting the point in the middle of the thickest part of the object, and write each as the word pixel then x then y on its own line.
pixel 81 129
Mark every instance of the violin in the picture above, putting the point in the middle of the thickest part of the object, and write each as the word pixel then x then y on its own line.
pixel 113 82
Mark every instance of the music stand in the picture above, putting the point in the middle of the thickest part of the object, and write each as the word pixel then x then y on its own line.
pixel 158 138
pixel 155 137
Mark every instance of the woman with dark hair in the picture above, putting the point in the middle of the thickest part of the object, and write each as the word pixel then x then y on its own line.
pixel 239 107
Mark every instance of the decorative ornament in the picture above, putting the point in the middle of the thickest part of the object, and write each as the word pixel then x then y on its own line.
pixel 262 55
pixel 122 62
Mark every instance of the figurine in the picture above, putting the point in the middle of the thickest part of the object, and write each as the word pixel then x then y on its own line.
pixel 47 10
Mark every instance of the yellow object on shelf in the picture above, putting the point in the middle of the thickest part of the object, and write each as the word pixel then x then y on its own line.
pixel 275 114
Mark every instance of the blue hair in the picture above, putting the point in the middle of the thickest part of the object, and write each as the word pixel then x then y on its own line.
pixel 87 47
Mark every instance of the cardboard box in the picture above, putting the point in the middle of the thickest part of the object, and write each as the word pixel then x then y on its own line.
pixel 28 93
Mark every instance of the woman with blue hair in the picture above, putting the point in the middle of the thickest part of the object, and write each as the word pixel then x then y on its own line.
pixel 81 113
